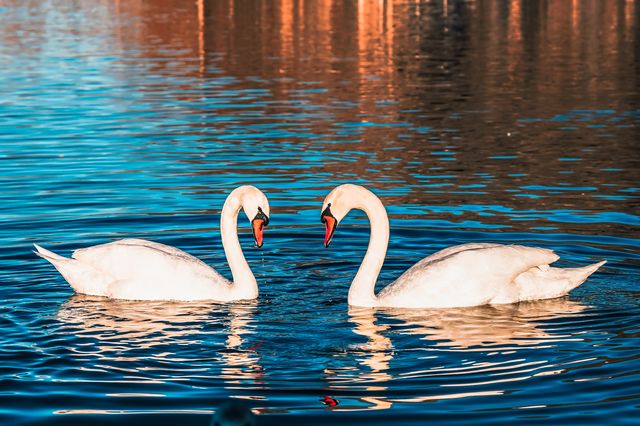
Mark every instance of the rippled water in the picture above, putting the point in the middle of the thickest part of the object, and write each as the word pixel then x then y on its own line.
pixel 473 121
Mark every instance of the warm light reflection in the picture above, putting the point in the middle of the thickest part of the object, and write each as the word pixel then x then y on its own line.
pixel 629 13
pixel 504 59
pixel 122 328
pixel 117 324
pixel 460 71
pixel 240 364
pixel 514 31
pixel 378 350
pixel 500 328
pixel 201 23
pixel 574 15
pixel 478 328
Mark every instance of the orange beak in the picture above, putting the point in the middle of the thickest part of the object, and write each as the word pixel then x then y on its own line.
pixel 330 223
pixel 258 225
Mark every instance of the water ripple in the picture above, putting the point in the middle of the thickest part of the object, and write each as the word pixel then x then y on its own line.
pixel 472 123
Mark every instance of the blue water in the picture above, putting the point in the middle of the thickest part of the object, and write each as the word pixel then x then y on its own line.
pixel 509 122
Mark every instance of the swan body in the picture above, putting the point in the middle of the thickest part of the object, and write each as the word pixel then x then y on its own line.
pixel 137 269
pixel 463 275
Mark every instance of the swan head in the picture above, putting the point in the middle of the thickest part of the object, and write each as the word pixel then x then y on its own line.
pixel 336 205
pixel 256 206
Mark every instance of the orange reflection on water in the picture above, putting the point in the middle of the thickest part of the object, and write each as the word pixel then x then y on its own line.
pixel 468 72
pixel 489 329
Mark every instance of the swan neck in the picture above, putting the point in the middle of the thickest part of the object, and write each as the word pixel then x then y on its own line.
pixel 244 282
pixel 362 290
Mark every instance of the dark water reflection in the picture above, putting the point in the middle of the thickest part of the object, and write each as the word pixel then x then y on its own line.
pixel 502 121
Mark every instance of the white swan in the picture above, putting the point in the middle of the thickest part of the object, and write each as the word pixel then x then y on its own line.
pixel 143 270
pixel 464 275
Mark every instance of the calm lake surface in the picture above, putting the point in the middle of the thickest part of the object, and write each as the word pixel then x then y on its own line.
pixel 474 121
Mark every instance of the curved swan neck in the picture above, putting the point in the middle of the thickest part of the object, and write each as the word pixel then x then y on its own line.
pixel 362 290
pixel 244 281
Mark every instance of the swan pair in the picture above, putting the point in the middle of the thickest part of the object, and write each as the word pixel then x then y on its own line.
pixel 463 275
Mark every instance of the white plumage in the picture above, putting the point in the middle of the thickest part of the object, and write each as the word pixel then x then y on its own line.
pixel 463 275
pixel 137 269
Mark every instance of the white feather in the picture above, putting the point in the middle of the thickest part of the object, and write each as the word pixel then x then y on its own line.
pixel 144 270
pixel 463 275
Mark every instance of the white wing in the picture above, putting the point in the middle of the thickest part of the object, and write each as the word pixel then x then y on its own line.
pixel 140 259
pixel 142 268
pixel 465 275
pixel 439 255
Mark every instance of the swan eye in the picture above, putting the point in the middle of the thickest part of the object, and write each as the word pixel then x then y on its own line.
pixel 326 213
pixel 330 223
pixel 263 217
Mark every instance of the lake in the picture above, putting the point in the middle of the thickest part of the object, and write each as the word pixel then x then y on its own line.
pixel 473 121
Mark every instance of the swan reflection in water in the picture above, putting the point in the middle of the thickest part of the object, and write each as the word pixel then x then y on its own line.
pixel 122 325
pixel 483 327
pixel 492 328
pixel 140 337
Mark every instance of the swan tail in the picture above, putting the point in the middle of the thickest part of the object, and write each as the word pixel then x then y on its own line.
pixel 64 265
pixel 545 282
pixel 81 277
pixel 49 255
pixel 579 275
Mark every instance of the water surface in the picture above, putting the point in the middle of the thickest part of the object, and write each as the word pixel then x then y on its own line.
pixel 476 121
